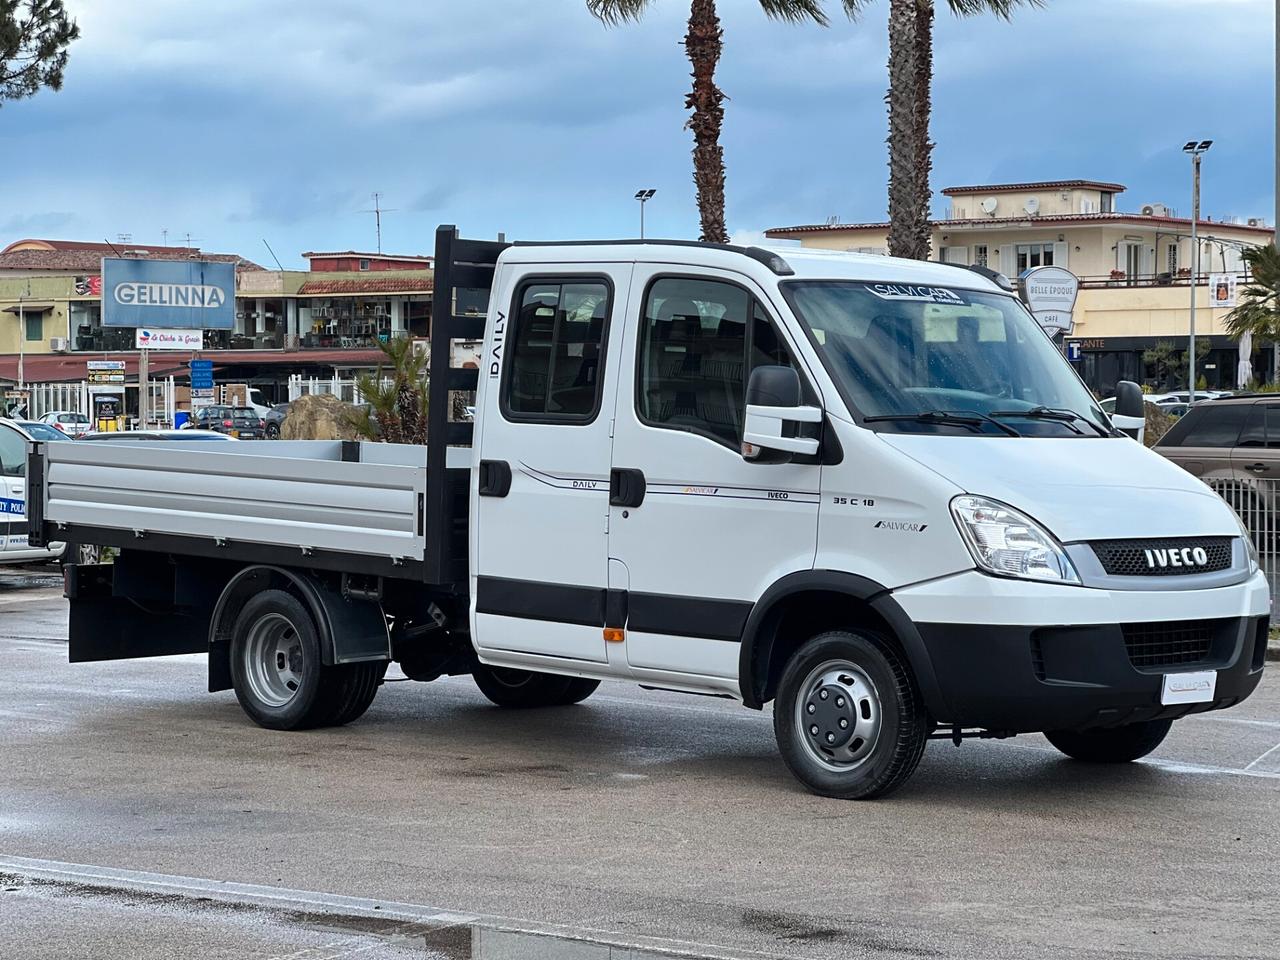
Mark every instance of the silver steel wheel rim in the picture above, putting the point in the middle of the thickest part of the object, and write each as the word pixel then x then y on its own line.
pixel 274 663
pixel 838 715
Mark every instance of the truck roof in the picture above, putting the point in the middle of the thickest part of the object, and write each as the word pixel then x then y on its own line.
pixel 803 263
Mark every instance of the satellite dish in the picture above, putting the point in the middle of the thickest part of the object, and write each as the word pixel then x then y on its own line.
pixel 1032 205
pixel 989 205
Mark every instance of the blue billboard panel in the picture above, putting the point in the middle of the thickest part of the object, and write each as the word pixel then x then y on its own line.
pixel 168 294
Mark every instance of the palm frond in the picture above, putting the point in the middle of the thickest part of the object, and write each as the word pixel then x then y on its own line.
pixel 795 11
pixel 854 9
pixel 614 12
pixel 1000 8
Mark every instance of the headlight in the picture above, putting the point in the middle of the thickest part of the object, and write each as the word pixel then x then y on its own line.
pixel 1010 544
pixel 1250 547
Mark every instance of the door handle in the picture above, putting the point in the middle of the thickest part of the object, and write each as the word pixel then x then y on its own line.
pixel 626 487
pixel 495 478
pixel 1258 467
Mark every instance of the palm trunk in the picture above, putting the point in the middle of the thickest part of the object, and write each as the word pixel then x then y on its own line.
pixel 921 230
pixel 909 231
pixel 703 45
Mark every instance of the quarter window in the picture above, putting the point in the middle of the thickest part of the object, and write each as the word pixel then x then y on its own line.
pixel 553 367
pixel 1207 425
pixel 699 342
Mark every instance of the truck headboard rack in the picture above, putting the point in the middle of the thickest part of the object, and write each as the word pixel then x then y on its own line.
pixel 460 265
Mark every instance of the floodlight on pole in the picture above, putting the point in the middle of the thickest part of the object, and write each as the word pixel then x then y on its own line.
pixel 1194 149
pixel 644 196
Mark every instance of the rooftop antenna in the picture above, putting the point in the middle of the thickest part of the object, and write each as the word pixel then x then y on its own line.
pixel 113 248
pixel 377 211
pixel 164 236
pixel 273 254
pixel 192 250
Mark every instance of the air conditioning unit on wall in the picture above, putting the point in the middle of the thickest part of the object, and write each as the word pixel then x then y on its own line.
pixel 58 344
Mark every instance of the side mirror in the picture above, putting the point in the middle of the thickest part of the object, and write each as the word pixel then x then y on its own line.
pixel 1129 402
pixel 770 433
pixel 1130 416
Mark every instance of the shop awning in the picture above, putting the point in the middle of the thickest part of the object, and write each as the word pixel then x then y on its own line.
pixel 29 306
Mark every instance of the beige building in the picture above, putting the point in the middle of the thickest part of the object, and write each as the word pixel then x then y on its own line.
pixel 1134 268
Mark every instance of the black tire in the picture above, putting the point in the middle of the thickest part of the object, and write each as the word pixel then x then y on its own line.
pixel 579 689
pixel 273 431
pixel 1112 744
pixel 861 681
pixel 300 692
pixel 522 689
pixel 360 685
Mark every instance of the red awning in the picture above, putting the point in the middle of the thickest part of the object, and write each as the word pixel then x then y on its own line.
pixel 61 368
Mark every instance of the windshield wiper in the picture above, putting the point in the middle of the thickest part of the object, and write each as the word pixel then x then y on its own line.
pixel 1067 417
pixel 968 418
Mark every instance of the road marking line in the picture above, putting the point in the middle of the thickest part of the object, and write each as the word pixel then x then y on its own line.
pixel 1175 766
pixel 1269 724
pixel 1250 766
pixel 285 898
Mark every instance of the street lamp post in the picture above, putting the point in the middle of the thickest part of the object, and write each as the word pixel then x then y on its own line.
pixel 644 196
pixel 1194 148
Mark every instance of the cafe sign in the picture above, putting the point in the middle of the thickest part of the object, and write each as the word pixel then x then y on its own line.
pixel 1050 294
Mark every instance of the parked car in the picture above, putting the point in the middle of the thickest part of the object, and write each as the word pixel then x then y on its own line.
pixel 241 422
pixel 67 421
pixel 1233 444
pixel 1172 409
pixel 136 435
pixel 41 431
pixel 1184 396
pixel 273 420
pixel 14 530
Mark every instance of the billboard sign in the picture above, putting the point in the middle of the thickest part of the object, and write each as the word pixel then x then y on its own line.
pixel 1222 291
pixel 149 338
pixel 168 294
pixel 1050 295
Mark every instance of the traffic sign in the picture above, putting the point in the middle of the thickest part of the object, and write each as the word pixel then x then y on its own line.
pixel 1073 351
pixel 201 374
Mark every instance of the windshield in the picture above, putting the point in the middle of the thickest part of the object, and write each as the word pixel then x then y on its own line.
pixel 898 350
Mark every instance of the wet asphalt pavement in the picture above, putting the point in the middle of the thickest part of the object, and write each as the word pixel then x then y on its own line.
pixel 141 817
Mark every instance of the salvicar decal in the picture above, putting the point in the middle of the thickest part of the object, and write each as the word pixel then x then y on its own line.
pixel 902 526
pixel 916 293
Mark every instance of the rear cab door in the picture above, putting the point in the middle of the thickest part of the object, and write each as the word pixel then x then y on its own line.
pixel 13 492
pixel 544 438
pixel 1202 443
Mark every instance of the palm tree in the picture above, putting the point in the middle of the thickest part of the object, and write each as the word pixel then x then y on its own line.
pixel 703 44
pixel 910 107
pixel 396 399
pixel 1258 310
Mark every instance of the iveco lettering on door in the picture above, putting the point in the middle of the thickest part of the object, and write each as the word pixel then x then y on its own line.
pixel 170 295
pixel 1183 557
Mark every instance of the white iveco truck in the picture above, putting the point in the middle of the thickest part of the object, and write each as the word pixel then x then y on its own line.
pixel 869 491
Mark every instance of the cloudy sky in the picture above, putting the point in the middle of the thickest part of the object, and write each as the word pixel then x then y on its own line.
pixel 242 120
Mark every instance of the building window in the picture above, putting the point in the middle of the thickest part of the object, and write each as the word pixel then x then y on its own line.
pixel 553 367
pixel 980 255
pixel 1107 202
pixel 35 327
pixel 1032 255
pixel 364 264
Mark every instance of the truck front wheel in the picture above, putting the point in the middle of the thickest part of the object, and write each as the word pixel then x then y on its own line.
pixel 276 668
pixel 848 719
pixel 1111 745
pixel 526 688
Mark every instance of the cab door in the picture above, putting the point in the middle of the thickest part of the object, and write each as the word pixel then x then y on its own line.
pixel 697 533
pixel 539 556
pixel 13 490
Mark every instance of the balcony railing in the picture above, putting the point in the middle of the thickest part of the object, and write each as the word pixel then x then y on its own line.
pixel 120 339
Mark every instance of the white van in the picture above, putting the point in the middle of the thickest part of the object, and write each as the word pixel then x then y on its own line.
pixel 869 491
pixel 14 545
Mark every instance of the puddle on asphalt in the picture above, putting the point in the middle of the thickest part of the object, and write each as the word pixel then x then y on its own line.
pixel 26 578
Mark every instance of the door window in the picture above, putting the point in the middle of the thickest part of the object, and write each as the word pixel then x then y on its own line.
pixel 13 453
pixel 1209 425
pixel 699 342
pixel 554 368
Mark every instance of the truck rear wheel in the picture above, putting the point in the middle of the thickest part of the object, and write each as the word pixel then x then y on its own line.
pixel 361 683
pixel 276 667
pixel 526 688
pixel 1113 744
pixel 848 719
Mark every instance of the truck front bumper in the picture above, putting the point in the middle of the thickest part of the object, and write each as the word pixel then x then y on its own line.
pixel 1039 657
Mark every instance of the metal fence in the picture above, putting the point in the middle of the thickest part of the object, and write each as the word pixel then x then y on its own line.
pixel 1257 503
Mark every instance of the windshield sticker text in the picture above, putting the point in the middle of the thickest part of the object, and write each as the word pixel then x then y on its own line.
pixel 917 294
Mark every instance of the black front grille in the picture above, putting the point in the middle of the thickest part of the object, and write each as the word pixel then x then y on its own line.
pixel 1173 644
pixel 1165 557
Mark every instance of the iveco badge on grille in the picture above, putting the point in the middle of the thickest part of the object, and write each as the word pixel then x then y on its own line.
pixel 1177 557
